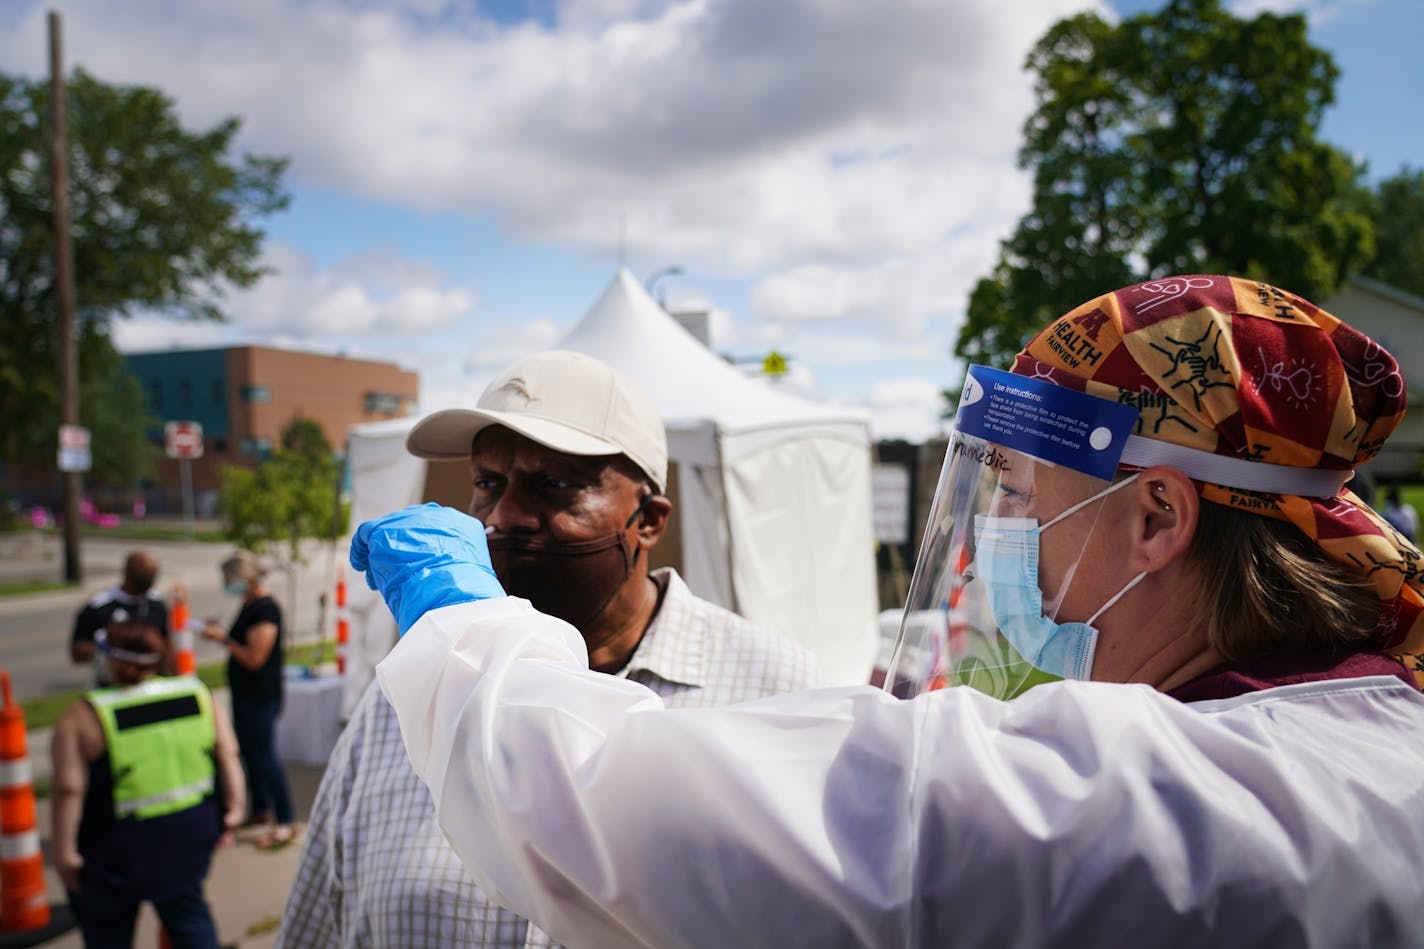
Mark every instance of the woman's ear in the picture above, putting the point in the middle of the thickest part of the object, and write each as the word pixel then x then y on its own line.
pixel 1165 508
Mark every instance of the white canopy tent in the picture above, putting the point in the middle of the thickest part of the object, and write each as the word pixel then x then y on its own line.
pixel 771 492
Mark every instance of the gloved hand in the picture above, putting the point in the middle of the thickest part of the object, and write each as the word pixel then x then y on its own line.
pixel 423 557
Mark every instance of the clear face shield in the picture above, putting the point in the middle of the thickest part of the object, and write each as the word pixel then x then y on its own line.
pixel 1028 467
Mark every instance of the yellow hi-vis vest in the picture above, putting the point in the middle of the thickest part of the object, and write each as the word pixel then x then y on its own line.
pixel 161 741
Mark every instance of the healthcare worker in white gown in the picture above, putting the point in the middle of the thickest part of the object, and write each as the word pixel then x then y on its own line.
pixel 1154 688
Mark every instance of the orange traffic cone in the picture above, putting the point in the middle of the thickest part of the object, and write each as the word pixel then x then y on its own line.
pixel 23 904
pixel 343 625
pixel 182 634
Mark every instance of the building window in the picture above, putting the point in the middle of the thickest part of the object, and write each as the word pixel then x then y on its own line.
pixel 185 393
pixel 155 395
pixel 219 396
pixel 260 447
pixel 387 403
pixel 256 394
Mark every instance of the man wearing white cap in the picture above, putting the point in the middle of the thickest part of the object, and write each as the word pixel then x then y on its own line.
pixel 568 464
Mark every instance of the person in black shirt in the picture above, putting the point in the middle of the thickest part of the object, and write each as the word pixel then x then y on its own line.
pixel 254 678
pixel 133 596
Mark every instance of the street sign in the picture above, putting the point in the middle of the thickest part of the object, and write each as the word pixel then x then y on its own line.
pixel 774 364
pixel 890 499
pixel 74 448
pixel 183 439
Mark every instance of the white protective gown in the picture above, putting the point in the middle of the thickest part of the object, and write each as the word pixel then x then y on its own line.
pixel 1081 814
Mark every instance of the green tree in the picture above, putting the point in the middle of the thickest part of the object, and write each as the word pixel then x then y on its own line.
pixel 112 405
pixel 1183 140
pixel 1397 209
pixel 289 497
pixel 163 220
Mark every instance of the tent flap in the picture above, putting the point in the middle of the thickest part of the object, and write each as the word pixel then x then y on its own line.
pixel 802 541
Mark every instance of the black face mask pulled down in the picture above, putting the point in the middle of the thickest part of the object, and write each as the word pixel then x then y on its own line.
pixel 574 582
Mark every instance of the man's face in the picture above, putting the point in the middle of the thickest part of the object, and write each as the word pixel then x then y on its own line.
pixel 140 572
pixel 523 488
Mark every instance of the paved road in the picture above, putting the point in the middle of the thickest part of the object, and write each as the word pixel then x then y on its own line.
pixel 35 628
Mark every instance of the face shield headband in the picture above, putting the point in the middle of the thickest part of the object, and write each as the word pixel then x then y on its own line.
pixel 1025 454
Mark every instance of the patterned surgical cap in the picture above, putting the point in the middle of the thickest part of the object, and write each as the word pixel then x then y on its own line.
pixel 1243 369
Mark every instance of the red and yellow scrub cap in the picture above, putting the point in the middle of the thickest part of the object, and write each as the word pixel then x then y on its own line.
pixel 1264 399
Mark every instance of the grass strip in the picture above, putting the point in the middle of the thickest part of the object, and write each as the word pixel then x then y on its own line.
pixel 35 586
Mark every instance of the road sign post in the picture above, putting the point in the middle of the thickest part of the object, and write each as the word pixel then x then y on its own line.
pixel 184 441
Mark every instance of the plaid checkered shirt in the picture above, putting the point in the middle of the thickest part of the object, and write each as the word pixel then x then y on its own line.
pixel 375 869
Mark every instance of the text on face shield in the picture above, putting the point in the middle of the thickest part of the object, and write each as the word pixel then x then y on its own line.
pixel 986 455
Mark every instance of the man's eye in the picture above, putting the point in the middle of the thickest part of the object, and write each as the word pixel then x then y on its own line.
pixel 486 484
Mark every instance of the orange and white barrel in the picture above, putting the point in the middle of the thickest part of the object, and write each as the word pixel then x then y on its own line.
pixel 182 633
pixel 23 902
pixel 343 625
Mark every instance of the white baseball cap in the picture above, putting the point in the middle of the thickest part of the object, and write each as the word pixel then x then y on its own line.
pixel 563 400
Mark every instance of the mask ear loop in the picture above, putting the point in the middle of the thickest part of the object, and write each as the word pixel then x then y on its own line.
pixel 637 512
pixel 1115 597
pixel 1068 580
pixel 1089 500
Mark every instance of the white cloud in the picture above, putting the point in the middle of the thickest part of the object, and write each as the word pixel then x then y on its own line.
pixel 852 164
pixel 844 349
pixel 907 408
pixel 454 373
pixel 812 133
pixel 375 305
pixel 372 294
pixel 149 333
pixel 504 345
pixel 725 332
pixel 894 295
pixel 1316 12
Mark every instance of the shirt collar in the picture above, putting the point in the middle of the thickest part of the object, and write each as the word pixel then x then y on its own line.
pixel 673 648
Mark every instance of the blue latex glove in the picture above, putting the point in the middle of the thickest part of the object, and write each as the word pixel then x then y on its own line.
pixel 423 557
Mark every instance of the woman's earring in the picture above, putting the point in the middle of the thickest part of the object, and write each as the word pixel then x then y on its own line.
pixel 1159 487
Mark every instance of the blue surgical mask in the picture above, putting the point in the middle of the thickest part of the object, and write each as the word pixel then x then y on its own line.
pixel 1006 563
pixel 236 587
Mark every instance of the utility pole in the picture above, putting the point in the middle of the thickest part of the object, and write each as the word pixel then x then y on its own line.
pixel 64 291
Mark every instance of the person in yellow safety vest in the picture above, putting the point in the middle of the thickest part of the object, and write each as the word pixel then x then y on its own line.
pixel 146 784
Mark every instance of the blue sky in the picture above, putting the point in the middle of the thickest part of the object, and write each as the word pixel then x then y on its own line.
pixel 831 176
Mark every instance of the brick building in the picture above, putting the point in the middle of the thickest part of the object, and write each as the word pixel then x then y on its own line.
pixel 243 396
